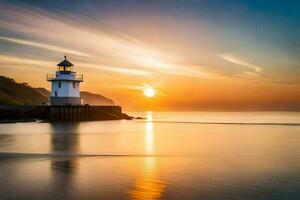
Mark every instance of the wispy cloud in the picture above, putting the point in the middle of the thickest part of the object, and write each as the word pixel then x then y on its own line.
pixel 6 60
pixel 43 46
pixel 243 63
pixel 188 71
pixel 14 61
pixel 127 71
pixel 99 49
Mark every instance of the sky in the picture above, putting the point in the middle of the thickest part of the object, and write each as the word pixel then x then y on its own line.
pixel 196 54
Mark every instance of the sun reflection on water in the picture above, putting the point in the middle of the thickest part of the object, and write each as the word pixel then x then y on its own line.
pixel 149 134
pixel 148 185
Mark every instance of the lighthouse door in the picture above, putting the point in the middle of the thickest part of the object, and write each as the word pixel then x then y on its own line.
pixel 55 93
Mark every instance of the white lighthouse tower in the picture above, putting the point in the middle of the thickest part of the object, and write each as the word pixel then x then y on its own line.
pixel 65 85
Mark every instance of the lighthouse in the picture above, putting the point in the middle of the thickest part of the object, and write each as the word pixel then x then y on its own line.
pixel 65 85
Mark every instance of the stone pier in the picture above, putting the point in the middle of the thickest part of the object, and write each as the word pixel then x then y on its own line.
pixel 64 113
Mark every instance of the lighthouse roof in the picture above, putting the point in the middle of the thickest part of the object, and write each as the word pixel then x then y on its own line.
pixel 65 62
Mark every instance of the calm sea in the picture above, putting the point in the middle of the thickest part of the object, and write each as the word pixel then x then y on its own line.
pixel 169 155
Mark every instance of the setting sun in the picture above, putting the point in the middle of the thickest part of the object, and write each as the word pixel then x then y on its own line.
pixel 149 92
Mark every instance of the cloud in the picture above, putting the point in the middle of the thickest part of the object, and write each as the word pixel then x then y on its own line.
pixel 43 46
pixel 116 69
pixel 99 49
pixel 187 71
pixel 238 61
pixel 14 61
pixel 6 60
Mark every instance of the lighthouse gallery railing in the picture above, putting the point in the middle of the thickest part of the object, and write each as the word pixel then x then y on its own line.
pixel 51 77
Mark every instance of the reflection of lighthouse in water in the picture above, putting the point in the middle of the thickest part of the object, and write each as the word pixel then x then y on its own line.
pixel 64 144
pixel 64 141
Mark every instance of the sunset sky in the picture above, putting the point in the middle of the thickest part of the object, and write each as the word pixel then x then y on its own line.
pixel 196 54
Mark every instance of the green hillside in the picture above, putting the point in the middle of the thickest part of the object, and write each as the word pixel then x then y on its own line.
pixel 13 93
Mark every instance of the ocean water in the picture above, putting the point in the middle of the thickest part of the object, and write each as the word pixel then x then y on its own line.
pixel 169 155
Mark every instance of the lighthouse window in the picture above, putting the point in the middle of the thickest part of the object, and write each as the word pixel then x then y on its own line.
pixel 59 84
pixel 68 69
pixel 74 85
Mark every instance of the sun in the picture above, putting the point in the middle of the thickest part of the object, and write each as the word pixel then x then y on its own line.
pixel 149 92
